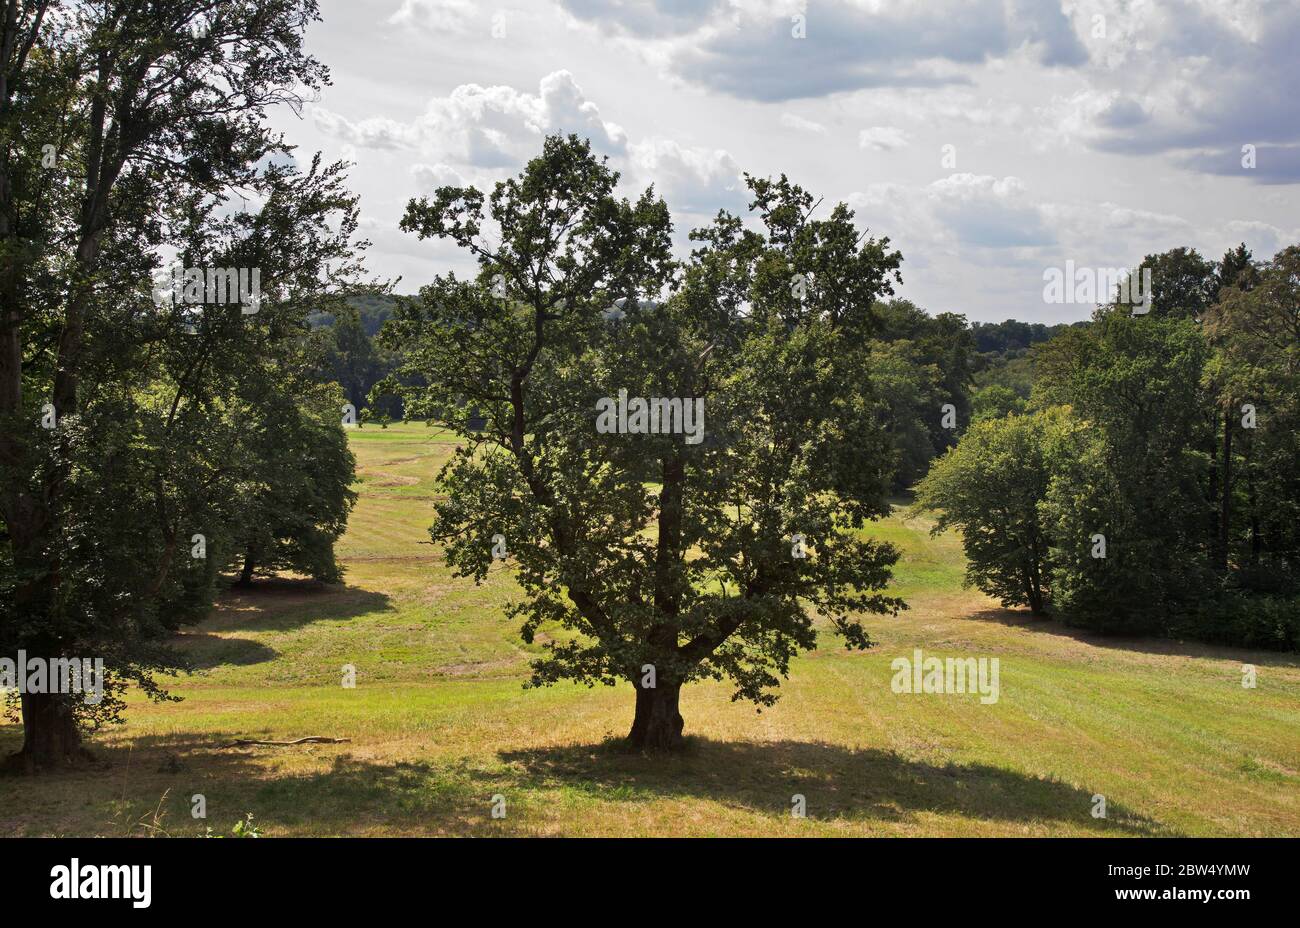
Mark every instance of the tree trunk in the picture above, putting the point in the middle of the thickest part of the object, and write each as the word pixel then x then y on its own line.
pixel 51 739
pixel 658 723
pixel 246 575
pixel 1256 539
pixel 1034 586
pixel 1225 513
pixel 1212 526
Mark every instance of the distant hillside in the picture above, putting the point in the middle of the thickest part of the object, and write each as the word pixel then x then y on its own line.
pixel 1011 339
pixel 373 309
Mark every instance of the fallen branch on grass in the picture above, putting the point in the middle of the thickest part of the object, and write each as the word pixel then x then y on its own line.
pixel 313 739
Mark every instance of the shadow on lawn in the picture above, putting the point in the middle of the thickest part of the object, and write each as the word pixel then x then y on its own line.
pixel 837 782
pixel 206 651
pixel 274 604
pixel 453 797
pixel 280 604
pixel 1021 618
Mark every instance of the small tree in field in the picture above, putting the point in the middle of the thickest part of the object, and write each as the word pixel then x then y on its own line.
pixel 991 486
pixel 695 550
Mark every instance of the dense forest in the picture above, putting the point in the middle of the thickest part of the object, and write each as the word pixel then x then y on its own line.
pixel 1151 482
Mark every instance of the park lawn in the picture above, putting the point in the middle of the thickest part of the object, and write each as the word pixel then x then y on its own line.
pixel 439 724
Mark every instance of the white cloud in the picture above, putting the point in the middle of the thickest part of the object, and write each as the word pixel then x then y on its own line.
pixel 496 126
pixel 434 15
pixel 882 138
pixel 430 177
pixel 792 121
pixel 691 180
pixel 375 132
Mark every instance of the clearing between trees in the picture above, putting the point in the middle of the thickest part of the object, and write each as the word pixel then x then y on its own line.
pixel 438 724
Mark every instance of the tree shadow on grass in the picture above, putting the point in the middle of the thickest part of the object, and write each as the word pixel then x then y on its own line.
pixel 455 795
pixel 451 797
pixel 206 651
pixel 133 786
pixel 281 603
pixel 1022 618
pixel 837 783
pixel 276 604
pixel 136 788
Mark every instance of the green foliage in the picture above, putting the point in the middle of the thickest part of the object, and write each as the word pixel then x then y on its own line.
pixel 244 828
pixel 1016 374
pixel 919 363
pixel 1135 382
pixel 1005 360
pixel 909 395
pixel 1175 507
pixel 991 486
pixel 1244 619
pixel 350 355
pixel 651 549
pixel 1255 329
pixel 995 402
pixel 158 127
pixel 1183 284
pixel 1010 338
pixel 294 501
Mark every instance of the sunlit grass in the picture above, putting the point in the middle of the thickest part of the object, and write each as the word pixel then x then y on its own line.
pixel 439 723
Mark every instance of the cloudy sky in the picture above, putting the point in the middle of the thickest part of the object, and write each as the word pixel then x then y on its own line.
pixel 989 139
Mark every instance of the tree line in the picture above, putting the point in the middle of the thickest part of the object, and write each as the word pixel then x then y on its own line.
pixel 919 362
pixel 1151 484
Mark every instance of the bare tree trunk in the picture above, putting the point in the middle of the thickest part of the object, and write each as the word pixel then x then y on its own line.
pixel 658 723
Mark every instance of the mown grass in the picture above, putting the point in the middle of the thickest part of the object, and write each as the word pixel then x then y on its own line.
pixel 439 723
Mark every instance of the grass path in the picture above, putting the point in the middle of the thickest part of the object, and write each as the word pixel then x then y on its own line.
pixel 439 723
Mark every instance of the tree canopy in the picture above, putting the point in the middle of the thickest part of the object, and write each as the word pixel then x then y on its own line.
pixel 137 417
pixel 666 559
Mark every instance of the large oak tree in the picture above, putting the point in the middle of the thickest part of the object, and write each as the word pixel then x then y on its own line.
pixel 651 560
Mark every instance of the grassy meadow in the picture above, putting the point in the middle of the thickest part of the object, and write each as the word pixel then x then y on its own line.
pixel 438 723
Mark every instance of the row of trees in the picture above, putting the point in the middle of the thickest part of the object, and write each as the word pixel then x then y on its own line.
pixel 146 448
pixel 352 357
pixel 1153 484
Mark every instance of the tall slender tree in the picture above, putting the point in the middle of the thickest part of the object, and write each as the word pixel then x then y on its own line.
pixel 117 114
